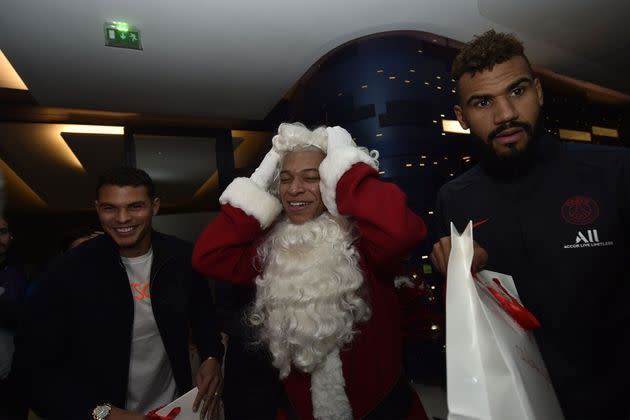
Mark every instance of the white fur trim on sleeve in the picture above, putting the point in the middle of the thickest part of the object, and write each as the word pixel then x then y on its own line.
pixel 244 194
pixel 328 390
pixel 332 168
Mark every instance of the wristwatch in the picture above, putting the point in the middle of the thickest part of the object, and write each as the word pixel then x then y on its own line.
pixel 101 411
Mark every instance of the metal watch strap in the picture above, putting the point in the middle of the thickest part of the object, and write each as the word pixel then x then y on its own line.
pixel 101 411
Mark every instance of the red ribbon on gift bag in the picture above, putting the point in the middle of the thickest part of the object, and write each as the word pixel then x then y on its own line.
pixel 152 415
pixel 513 307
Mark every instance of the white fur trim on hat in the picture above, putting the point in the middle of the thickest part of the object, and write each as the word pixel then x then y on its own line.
pixel 328 390
pixel 244 194
pixel 334 166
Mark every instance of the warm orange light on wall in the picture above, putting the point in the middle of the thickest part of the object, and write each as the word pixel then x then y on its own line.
pixel 605 132
pixel 574 135
pixel 61 149
pixel 8 76
pixel 19 190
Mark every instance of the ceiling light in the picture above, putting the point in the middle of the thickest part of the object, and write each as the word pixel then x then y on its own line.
pixel 453 126
pixel 93 129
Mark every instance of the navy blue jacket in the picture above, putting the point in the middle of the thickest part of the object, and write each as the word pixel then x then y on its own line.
pixel 563 232
pixel 14 284
pixel 73 347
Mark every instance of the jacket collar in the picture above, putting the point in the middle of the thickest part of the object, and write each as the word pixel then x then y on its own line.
pixel 161 251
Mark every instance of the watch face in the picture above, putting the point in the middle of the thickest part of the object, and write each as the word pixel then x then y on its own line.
pixel 101 411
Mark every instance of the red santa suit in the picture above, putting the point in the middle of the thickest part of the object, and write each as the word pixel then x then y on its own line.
pixel 387 231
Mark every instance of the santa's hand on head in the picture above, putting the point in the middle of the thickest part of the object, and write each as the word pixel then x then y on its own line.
pixel 264 174
pixel 341 154
pixel 252 194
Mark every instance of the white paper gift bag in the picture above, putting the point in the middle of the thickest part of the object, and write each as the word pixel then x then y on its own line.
pixel 494 367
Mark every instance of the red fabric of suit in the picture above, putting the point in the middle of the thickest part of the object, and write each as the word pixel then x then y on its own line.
pixel 388 230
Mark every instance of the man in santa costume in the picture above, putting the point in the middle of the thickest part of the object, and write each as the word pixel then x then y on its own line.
pixel 321 237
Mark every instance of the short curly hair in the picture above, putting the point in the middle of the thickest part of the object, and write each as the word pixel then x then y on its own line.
pixel 485 51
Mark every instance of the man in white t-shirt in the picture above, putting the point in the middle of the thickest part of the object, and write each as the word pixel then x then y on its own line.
pixel 107 330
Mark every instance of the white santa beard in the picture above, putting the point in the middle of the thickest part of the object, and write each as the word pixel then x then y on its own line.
pixel 308 297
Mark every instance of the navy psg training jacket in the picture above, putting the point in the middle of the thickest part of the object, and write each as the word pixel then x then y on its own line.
pixel 563 232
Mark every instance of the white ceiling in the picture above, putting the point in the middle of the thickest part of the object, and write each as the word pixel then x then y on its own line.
pixel 236 59
pixel 589 40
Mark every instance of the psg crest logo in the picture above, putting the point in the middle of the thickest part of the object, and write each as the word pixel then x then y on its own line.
pixel 580 210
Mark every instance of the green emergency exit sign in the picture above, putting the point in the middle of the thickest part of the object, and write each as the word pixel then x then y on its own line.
pixel 122 35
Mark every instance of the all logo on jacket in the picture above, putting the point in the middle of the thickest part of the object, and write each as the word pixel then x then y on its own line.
pixel 583 210
pixel 588 239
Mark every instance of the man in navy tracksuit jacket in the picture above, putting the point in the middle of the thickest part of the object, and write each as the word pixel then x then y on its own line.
pixel 98 332
pixel 555 216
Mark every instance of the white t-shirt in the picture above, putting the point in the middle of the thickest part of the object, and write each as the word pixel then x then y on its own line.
pixel 151 382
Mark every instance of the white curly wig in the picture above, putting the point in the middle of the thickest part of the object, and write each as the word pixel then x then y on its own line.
pixel 296 136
